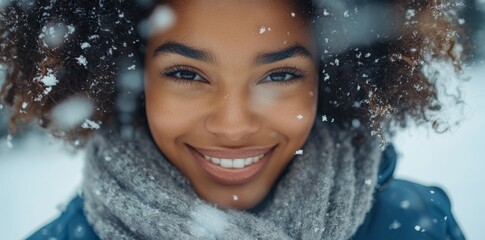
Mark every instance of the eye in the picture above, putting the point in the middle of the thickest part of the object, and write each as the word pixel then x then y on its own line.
pixel 183 73
pixel 186 75
pixel 284 75
pixel 280 77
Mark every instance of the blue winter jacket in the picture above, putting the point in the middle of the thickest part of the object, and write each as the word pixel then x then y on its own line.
pixel 402 210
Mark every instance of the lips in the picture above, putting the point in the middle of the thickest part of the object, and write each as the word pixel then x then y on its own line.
pixel 232 166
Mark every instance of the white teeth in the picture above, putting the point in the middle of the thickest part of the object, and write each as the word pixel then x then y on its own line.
pixel 238 163
pixel 226 163
pixel 214 160
pixel 234 163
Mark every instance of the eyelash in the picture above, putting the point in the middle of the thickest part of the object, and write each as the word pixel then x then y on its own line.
pixel 170 73
pixel 292 70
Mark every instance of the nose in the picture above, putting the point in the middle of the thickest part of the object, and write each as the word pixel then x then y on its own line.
pixel 232 118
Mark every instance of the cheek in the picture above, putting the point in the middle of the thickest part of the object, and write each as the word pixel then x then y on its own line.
pixel 168 116
pixel 289 113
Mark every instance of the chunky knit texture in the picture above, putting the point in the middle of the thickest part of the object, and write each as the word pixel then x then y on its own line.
pixel 132 191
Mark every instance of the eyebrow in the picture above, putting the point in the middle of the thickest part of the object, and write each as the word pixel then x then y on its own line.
pixel 206 56
pixel 184 50
pixel 292 51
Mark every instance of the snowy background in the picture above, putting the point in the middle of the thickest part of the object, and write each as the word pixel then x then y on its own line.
pixel 38 176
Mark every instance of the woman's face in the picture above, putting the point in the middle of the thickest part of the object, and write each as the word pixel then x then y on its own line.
pixel 231 93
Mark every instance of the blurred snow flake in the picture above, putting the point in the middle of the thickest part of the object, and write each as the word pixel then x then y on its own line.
pixel 131 81
pixel 9 141
pixel 89 124
pixel 55 33
pixel 71 112
pixel 79 232
pixel 410 13
pixel 395 225
pixel 235 197
pixel 293 14
pixel 162 18
pixel 299 117
pixel 299 152
pixel 355 123
pixel 207 222
pixel 405 204
pixel 346 13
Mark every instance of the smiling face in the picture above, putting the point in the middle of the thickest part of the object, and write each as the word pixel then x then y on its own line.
pixel 231 93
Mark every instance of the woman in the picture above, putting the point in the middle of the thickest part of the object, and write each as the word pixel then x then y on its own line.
pixel 264 119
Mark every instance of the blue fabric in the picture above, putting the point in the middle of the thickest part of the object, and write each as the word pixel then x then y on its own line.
pixel 72 224
pixel 407 210
pixel 402 210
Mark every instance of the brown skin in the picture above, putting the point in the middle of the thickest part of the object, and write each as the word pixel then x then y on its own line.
pixel 231 103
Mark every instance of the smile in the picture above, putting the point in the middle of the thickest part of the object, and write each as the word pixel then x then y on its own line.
pixel 232 166
pixel 234 163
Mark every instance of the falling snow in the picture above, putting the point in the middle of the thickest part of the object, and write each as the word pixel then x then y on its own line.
pixel 85 45
pixel 49 80
pixel 81 60
pixel 207 222
pixel 263 29
pixel 72 112
pixel 405 204
pixel 395 225
pixel 161 19
pixel 346 13
pixel 410 13
pixel 9 141
pixel 89 124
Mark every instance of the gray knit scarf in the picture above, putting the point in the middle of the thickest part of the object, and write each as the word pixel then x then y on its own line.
pixel 132 192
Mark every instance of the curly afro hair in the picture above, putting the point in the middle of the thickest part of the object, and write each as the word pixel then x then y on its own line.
pixel 372 55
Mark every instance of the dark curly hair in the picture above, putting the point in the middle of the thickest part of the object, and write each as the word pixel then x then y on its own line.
pixel 370 63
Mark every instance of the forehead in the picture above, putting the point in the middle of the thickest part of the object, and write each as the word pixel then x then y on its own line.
pixel 252 25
